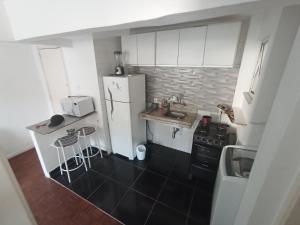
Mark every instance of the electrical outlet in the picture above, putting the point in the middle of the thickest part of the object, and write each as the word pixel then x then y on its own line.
pixel 155 100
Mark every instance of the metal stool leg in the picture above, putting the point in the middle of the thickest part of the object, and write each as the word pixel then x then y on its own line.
pixel 66 164
pixel 59 161
pixel 74 154
pixel 82 157
pixel 87 150
pixel 88 140
pixel 98 143
pixel 90 145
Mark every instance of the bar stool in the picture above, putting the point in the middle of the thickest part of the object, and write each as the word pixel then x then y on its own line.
pixel 86 133
pixel 69 141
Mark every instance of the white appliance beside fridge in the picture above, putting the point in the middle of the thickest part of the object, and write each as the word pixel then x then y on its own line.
pixel 125 98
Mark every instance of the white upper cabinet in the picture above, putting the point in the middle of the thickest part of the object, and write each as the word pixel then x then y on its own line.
pixel 167 47
pixel 129 49
pixel 221 44
pixel 146 49
pixel 214 45
pixel 191 46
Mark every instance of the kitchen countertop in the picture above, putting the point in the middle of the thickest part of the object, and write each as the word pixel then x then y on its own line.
pixel 159 115
pixel 42 127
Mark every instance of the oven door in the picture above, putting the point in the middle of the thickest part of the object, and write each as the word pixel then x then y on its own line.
pixel 206 151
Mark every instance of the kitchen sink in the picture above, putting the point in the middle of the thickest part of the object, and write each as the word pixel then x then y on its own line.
pixel 176 114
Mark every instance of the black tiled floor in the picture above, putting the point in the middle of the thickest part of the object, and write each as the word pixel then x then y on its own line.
pixel 149 184
pixel 201 206
pixel 133 209
pixel 163 215
pixel 160 164
pixel 161 160
pixel 191 221
pixel 155 191
pixel 141 164
pixel 106 165
pixel 205 186
pixel 180 171
pixel 86 184
pixel 126 173
pixel 177 196
pixel 63 179
pixel 108 195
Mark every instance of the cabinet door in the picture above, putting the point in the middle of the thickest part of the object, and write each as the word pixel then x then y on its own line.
pixel 146 49
pixel 191 46
pixel 129 49
pixel 167 47
pixel 221 44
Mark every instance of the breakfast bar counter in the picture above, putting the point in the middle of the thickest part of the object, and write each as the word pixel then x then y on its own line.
pixel 43 136
pixel 43 128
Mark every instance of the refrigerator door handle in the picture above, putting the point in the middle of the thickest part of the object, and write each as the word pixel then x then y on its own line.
pixel 111 102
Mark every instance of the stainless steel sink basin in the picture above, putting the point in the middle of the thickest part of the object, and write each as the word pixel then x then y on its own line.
pixel 176 114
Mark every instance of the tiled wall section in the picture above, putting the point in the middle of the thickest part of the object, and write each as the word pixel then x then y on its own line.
pixel 204 87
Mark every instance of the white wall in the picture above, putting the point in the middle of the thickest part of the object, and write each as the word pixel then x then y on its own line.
pixel 13 208
pixel 106 63
pixel 82 74
pixel 23 100
pixel 276 169
pixel 281 41
pixel 279 27
pixel 260 27
pixel 6 33
pixel 160 133
pixel 33 18
pixel 294 216
pixel 104 50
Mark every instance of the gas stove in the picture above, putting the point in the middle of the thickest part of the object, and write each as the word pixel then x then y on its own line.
pixel 213 135
pixel 208 143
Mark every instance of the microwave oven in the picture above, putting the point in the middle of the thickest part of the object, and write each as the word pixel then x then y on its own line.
pixel 77 105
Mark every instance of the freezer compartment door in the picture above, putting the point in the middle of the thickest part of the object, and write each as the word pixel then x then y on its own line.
pixel 116 89
pixel 120 128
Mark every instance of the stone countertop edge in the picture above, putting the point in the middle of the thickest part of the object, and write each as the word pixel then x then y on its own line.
pixel 44 129
pixel 158 115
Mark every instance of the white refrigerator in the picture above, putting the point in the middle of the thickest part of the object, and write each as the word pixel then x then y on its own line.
pixel 125 98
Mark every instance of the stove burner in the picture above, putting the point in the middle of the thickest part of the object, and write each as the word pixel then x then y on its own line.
pixel 220 137
pixel 203 132
pixel 213 135
pixel 216 142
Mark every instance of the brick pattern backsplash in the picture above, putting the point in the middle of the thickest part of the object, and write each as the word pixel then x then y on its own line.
pixel 204 87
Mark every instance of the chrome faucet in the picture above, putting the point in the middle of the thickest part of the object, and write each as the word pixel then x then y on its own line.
pixel 176 99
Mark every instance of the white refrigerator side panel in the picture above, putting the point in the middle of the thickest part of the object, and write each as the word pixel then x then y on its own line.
pixel 118 114
pixel 116 88
pixel 138 103
pixel 136 86
pixel 138 125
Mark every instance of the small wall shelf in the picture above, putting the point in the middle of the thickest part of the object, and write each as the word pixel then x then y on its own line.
pixel 236 116
pixel 239 117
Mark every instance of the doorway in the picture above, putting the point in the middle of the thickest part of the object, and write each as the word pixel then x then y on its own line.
pixel 55 75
